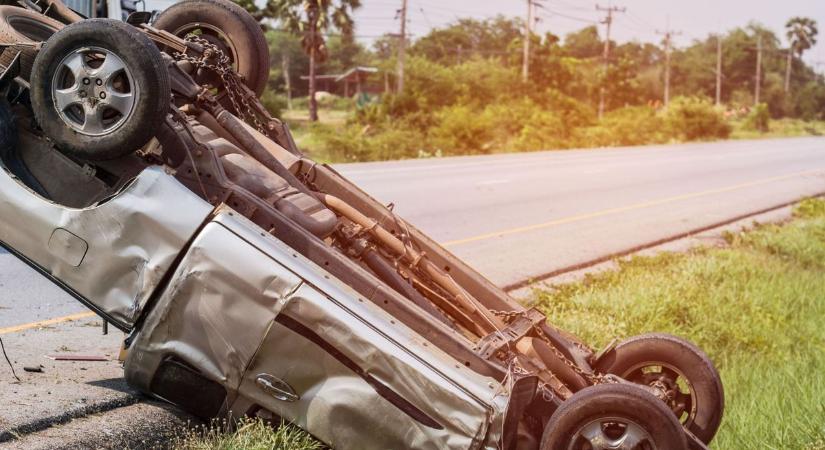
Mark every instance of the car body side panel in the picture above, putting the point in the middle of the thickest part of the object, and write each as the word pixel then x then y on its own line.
pixel 357 388
pixel 364 380
pixel 215 312
pixel 114 254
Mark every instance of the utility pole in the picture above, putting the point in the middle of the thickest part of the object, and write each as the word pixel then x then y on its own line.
pixel 608 21
pixel 528 27
pixel 788 69
pixel 668 34
pixel 758 84
pixel 287 80
pixel 402 47
pixel 312 12
pixel 718 69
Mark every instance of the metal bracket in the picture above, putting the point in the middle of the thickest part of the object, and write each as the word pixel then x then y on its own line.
pixel 166 38
pixel 594 360
pixel 494 342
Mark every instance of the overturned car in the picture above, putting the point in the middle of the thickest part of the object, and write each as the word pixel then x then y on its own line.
pixel 142 175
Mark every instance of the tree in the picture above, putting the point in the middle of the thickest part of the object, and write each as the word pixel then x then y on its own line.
pixel 312 19
pixel 466 39
pixel 585 43
pixel 288 63
pixel 801 33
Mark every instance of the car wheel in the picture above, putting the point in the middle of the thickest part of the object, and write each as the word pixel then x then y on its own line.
pixel 613 416
pixel 228 26
pixel 99 89
pixel 22 26
pixel 688 377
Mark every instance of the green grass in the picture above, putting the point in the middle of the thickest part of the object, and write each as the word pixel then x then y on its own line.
pixel 249 435
pixel 780 128
pixel 337 139
pixel 756 307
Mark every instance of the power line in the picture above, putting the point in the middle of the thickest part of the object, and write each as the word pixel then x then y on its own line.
pixel 549 14
pixel 567 5
pixel 424 15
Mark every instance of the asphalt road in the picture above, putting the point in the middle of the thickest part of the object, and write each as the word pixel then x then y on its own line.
pixel 518 216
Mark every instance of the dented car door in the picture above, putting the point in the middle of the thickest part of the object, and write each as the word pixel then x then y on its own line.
pixel 285 339
pixel 112 255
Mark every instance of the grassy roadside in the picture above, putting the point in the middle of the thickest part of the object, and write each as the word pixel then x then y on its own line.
pixel 345 134
pixel 780 128
pixel 755 306
pixel 314 139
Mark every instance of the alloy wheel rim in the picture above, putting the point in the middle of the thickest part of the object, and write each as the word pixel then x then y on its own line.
pixel 94 91
pixel 611 433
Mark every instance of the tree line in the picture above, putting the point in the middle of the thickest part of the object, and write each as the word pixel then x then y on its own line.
pixel 464 90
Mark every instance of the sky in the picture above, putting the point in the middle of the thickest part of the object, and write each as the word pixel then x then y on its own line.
pixel 695 19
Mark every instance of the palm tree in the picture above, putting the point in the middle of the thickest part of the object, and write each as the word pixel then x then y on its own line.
pixel 801 33
pixel 312 19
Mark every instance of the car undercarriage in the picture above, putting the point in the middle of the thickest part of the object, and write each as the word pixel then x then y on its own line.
pixel 253 243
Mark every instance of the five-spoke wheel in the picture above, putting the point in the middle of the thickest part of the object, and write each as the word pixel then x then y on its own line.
pixel 100 89
pixel 94 91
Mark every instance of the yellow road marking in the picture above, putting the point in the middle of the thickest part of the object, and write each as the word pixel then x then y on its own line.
pixel 622 209
pixel 43 323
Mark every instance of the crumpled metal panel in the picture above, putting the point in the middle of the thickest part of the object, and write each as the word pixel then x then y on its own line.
pixel 215 312
pixel 340 406
pixel 224 314
pixel 113 254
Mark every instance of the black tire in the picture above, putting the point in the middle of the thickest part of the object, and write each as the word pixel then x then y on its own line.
pixel 601 405
pixel 637 358
pixel 230 27
pixel 145 75
pixel 20 26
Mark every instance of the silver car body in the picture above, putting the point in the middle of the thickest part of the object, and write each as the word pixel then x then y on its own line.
pixel 247 311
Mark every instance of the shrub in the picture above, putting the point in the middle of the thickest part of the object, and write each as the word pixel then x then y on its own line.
pixel 759 118
pixel 634 125
pixel 574 113
pixel 544 130
pixel 809 100
pixel 274 103
pixel 810 208
pixel 484 82
pixel 695 118
pixel 354 142
pixel 427 86
pixel 461 130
